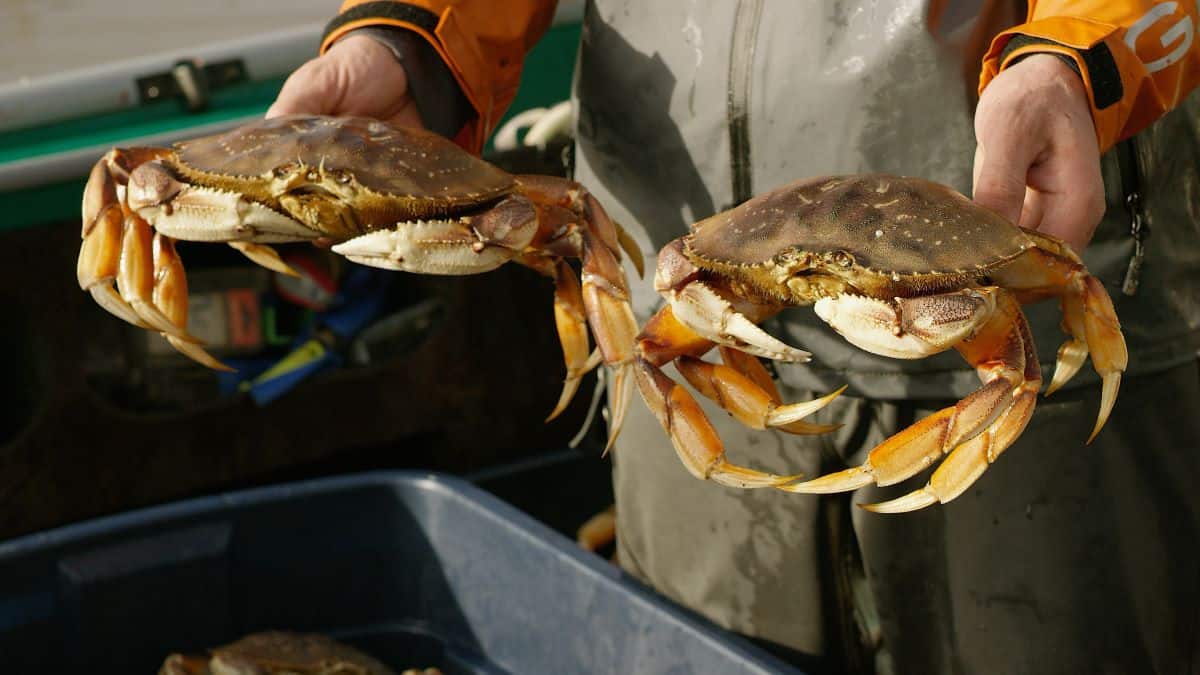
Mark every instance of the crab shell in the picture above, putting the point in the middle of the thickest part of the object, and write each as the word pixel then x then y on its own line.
pixel 278 652
pixel 885 236
pixel 339 176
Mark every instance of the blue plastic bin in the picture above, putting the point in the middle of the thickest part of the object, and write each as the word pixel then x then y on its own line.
pixel 416 569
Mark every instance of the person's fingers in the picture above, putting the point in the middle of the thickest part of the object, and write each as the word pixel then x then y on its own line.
pixel 1000 170
pixel 310 90
pixel 407 116
pixel 1032 211
pixel 1070 196
pixel 356 76
pixel 1037 160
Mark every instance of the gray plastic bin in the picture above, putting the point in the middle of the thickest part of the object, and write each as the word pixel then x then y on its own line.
pixel 417 569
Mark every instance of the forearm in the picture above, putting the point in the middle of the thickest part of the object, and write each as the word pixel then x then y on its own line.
pixel 1137 59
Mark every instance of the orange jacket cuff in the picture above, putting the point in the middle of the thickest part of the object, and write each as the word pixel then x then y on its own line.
pixel 1072 36
pixel 472 136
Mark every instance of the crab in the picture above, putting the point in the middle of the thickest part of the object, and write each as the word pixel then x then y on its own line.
pixel 379 195
pixel 279 653
pixel 898 266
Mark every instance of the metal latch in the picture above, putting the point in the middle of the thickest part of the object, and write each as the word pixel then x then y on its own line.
pixel 1139 229
pixel 192 81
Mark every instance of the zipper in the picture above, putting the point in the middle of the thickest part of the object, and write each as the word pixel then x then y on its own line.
pixel 741 64
pixel 1139 230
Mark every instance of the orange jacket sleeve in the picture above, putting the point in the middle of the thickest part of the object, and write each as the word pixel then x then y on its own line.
pixel 484 42
pixel 1138 58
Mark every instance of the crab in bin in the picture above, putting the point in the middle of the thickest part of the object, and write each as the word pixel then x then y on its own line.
pixel 377 194
pixel 900 267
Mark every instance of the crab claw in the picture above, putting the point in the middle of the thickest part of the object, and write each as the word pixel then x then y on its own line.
pixel 714 318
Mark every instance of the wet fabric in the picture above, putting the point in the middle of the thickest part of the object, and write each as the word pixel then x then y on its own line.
pixel 1049 554
pixel 1060 559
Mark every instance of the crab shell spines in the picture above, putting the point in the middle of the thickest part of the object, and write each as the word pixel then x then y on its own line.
pixel 381 173
pixel 876 233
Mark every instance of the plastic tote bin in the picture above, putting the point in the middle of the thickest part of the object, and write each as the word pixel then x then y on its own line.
pixel 418 570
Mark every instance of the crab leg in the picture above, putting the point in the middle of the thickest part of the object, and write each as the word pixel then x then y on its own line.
pixel 119 246
pixel 595 240
pixel 743 395
pixel 968 461
pixel 104 221
pixel 696 441
pixel 265 256
pixel 974 431
pixel 570 318
pixel 1089 319
pixel 170 296
pixel 736 387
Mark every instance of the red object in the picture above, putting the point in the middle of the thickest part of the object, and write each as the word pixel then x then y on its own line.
pixel 316 286
pixel 245 319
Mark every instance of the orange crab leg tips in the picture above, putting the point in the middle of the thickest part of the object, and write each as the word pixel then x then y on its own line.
pixel 1089 319
pixel 974 431
pixel 1107 345
pixel 171 298
pixel 749 403
pixel 967 462
pixel 135 277
pixel 1074 350
pixel 695 440
pixel 264 256
pixel 570 317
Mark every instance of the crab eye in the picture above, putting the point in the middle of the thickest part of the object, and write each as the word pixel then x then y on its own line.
pixel 841 258
pixel 281 171
pixel 791 257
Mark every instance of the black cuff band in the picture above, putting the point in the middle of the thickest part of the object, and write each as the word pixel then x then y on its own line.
pixel 443 107
pixel 399 11
pixel 1102 74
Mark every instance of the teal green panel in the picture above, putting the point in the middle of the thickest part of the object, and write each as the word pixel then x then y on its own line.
pixel 236 101
pixel 549 68
pixel 546 81
pixel 60 201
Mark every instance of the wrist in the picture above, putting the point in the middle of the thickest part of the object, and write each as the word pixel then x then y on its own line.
pixel 443 107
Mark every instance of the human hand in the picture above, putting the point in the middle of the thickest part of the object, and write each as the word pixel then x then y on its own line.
pixel 355 76
pixel 1037 161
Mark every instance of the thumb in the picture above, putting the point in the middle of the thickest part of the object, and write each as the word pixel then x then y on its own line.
pixel 310 90
pixel 1000 177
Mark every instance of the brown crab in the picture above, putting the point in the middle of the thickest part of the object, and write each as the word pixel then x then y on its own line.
pixel 900 267
pixel 380 195
pixel 281 653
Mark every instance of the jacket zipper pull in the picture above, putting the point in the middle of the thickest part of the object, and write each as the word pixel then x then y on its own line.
pixel 1138 229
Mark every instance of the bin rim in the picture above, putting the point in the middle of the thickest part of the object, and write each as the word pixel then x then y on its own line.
pixel 454 487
